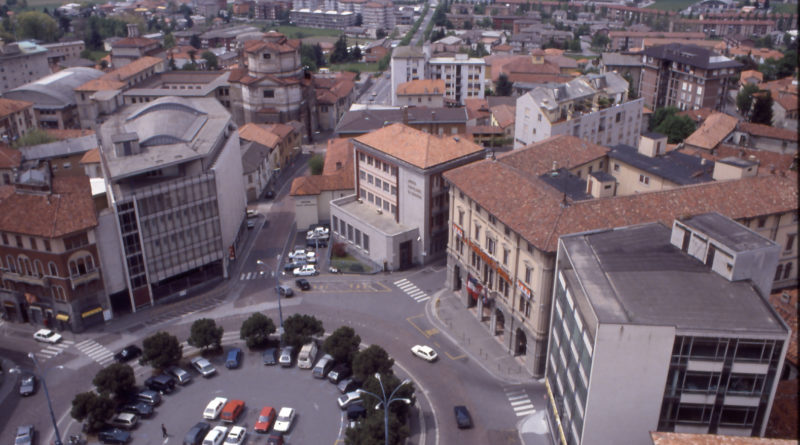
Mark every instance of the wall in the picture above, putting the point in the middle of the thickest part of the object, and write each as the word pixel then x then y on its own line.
pixel 628 179
pixel 230 190
pixel 306 211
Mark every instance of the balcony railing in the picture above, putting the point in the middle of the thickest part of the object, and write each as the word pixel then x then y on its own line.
pixel 88 277
pixel 28 279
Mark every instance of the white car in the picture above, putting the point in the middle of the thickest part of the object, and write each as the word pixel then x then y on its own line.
pixel 236 436
pixel 47 336
pixel 215 436
pixel 203 366
pixel 318 232
pixel 214 407
pixel 303 254
pixel 424 352
pixel 285 418
pixel 305 271
pixel 349 399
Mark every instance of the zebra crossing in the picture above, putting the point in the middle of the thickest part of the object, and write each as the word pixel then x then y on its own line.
pixel 227 338
pixel 53 350
pixel 412 290
pixel 252 276
pixel 519 400
pixel 96 352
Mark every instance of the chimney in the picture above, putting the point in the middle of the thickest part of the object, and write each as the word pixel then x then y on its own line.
pixel 405 115
pixel 133 30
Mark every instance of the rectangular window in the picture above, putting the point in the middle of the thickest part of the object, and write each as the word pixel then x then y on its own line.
pixel 644 179
pixel 269 93
pixel 378 182
pixel 46 243
pixel 460 219
pixel 366 242
pixel 33 244
pixel 378 202
pixel 506 255
pixel 362 174
pixel 528 274
pixel 790 241
pixel 18 239
pixel 361 156
pixel 394 190
pixel 616 167
pixel 5 239
pixel 370 179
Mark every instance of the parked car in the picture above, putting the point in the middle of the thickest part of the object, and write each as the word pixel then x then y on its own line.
pixel 27 385
pixel 265 420
pixel 203 366
pixel 232 410
pixel 318 232
pixel 234 358
pixel 424 352
pixel 47 336
pixel 355 412
pixel 292 265
pixel 236 436
pixel 348 385
pixel 305 271
pixel 287 354
pixel 323 367
pixel 128 353
pixel 150 397
pixel 25 435
pixel 349 399
pixel 269 194
pixel 251 223
pixel 181 375
pixel 162 383
pixel 316 242
pixel 126 421
pixel 214 407
pixel 284 290
pixel 275 439
pixel 298 254
pixel 196 434
pixel 114 435
pixel 141 409
pixel 339 373
pixel 303 284
pixel 216 436
pixel 285 419
pixel 463 418
pixel 270 356
pixel 307 355
pixel 251 213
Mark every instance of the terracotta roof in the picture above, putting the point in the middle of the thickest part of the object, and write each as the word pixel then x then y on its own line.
pixel 505 115
pixel 281 130
pixel 783 419
pixel 422 86
pixel 756 52
pixel 750 73
pixel 258 133
pixel 712 131
pixel 477 108
pixel 101 84
pixel 767 131
pixel 535 210
pixel 784 92
pixel 769 162
pixel 337 174
pixel 134 68
pixel 9 157
pixel 10 106
pixel 252 46
pixel 661 438
pixel 502 47
pixel 67 210
pixel 418 148
pixel 567 151
pixel 134 42
pixel 539 78
pixel 698 115
pixel 91 157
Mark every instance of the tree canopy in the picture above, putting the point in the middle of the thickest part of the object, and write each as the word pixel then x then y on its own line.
pixel 205 333
pixel 744 100
pixel 116 379
pixel 762 108
pixel 93 408
pixel 299 329
pixel 37 26
pixel 371 360
pixel 161 350
pixel 342 344
pixel 255 331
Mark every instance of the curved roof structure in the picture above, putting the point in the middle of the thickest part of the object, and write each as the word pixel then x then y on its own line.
pixel 167 120
pixel 56 90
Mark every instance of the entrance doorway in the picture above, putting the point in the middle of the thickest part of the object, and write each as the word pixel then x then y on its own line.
pixel 405 255
pixel 457 278
pixel 521 344
pixel 499 322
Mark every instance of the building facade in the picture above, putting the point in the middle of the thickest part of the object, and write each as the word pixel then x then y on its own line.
pixel 21 63
pixel 16 118
pixel 638 331
pixel 464 77
pixel 407 64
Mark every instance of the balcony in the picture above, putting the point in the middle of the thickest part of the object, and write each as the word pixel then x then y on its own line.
pixel 27 279
pixel 86 278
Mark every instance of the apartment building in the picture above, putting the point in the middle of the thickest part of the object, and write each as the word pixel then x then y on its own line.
pixel 173 172
pixel 21 63
pixel 398 216
pixel 668 329
pixel 377 15
pixel 61 52
pixel 266 148
pixel 594 107
pixel 439 121
pixel 464 77
pixel 623 40
pixel 313 194
pixel 50 272
pixel 318 18
pixel 408 63
pixel 421 93
pixel 686 77
pixel 503 233
pixel 16 118
pixel 726 27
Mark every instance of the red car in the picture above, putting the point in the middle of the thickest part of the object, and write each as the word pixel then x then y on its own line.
pixel 232 410
pixel 265 419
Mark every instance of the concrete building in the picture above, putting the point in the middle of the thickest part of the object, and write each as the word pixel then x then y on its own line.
pixel 686 77
pixel 464 77
pixel 54 98
pixel 16 118
pixel 408 63
pixel 506 215
pixel 421 93
pixel 61 52
pixel 594 107
pixel 334 96
pixel 266 149
pixel 134 47
pixel 173 172
pixel 20 63
pixel 629 66
pixel 670 330
pixel 378 15
pixel 318 18
pixel 398 216
pixel 766 137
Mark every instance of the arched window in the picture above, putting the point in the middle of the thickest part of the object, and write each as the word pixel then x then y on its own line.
pixel 59 294
pixel 24 265
pixel 53 269
pixel 39 268
pixel 81 265
pixel 12 266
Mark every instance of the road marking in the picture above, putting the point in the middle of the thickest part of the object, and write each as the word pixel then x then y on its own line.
pixel 519 400
pixel 412 290
pixel 421 331
pixel 457 357
pixel 430 332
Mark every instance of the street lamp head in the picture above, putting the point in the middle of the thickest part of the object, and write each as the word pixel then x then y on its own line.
pixel 31 356
pixel 377 375
pixel 406 401
pixel 405 382
pixel 259 262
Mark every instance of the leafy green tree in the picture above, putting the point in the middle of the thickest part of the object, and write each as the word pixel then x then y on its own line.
pixel 744 100
pixel 205 333
pixel 600 40
pixel 316 164
pixel 342 344
pixel 659 115
pixel 504 87
pixel 194 41
pixel 307 57
pixel 371 360
pixel 161 350
pixel 762 109
pixel 299 329
pixel 340 53
pixel 211 60
pixel 255 331
pixel 479 51
pixel 116 380
pixel 93 408
pixel 169 40
pixel 355 54
pixel 676 128
pixel 38 26
pixel 371 429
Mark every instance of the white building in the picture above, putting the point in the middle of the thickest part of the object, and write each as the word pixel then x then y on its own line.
pixel 594 107
pixel 463 76
pixel 669 330
pixel 173 173
pixel 21 63
pixel 398 216
pixel 407 64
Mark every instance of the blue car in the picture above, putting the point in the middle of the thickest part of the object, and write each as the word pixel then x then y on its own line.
pixel 234 358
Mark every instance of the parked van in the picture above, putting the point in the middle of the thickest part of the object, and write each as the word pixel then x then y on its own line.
pixel 308 353
pixel 232 410
pixel 126 421
pixel 323 367
pixel 149 397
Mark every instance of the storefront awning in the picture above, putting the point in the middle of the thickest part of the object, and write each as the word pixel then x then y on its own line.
pixel 91 312
pixel 62 317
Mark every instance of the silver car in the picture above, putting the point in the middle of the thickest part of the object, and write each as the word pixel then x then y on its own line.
pixel 24 435
pixel 203 366
pixel 27 386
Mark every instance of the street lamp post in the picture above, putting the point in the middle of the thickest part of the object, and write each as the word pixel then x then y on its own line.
pixel 277 282
pixel 47 396
pixel 386 402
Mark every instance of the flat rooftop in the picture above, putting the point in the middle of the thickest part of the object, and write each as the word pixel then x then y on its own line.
pixel 633 275
pixel 367 214
pixel 730 233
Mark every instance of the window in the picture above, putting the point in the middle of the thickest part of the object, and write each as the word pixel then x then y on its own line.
pixel 528 274
pixel 478 232
pixel 269 93
pixel 762 221
pixel 362 174
pixel 378 182
pixel 506 255
pixel 461 218
pixel 790 241
pixel 370 179
pixel 778 272
pixel 18 239
pixel 378 202
pixel 33 244
pixel 5 239
pixel 266 56
pixel 52 269
pixel 394 190
pixel 361 156
pixel 385 186
pixel 366 242
pixel 644 179
pixel 616 167
pixel 787 270
pixel 490 245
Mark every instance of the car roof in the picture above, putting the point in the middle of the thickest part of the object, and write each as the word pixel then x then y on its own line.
pixel 285 411
pixel 267 409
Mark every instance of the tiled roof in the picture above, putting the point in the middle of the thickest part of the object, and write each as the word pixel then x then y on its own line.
pixel 675 166
pixel 101 84
pixel 10 106
pixel 477 108
pixel 769 162
pixel 505 115
pixel 698 115
pixel 252 46
pixel 337 174
pixel 134 42
pixel 691 55
pixel 9 157
pixel 281 130
pixel 91 157
pixel 422 86
pixel 767 131
pixel 566 151
pixel 259 133
pixel 747 74
pixel 536 211
pixel 662 438
pixel 783 419
pixel 764 53
pixel 712 131
pixel 785 304
pixel 134 68
pixel 418 148
pixel 67 210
